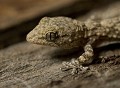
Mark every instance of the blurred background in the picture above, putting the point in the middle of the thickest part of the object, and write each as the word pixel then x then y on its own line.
pixel 18 17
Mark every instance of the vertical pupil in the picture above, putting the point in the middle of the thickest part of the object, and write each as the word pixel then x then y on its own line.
pixel 51 36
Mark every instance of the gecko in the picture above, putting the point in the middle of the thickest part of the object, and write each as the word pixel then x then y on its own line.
pixel 68 33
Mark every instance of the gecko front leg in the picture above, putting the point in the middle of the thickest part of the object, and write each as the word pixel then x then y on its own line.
pixel 85 58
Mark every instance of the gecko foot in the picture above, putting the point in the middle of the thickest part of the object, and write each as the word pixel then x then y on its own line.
pixel 74 65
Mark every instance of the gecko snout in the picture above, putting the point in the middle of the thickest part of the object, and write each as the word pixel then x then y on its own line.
pixel 30 36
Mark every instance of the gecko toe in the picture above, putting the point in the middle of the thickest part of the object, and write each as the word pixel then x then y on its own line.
pixel 75 68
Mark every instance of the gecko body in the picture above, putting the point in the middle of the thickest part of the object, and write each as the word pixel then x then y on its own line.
pixel 69 33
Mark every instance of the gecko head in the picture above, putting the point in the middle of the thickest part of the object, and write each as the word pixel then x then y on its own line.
pixel 56 32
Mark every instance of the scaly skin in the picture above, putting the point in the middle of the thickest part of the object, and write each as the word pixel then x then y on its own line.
pixel 69 33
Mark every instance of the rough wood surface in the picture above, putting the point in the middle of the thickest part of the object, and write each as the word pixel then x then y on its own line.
pixel 26 65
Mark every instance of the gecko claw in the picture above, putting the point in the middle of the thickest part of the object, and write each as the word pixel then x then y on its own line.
pixel 75 68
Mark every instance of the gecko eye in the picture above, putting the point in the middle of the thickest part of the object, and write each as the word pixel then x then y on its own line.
pixel 51 36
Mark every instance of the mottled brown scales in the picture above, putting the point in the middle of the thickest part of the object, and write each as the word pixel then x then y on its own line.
pixel 69 33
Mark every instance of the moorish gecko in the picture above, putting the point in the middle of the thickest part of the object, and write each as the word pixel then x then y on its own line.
pixel 68 33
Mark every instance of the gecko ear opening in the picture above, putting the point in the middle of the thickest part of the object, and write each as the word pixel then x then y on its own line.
pixel 52 36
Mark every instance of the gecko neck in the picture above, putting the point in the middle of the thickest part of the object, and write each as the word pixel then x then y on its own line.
pixel 85 29
pixel 80 29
